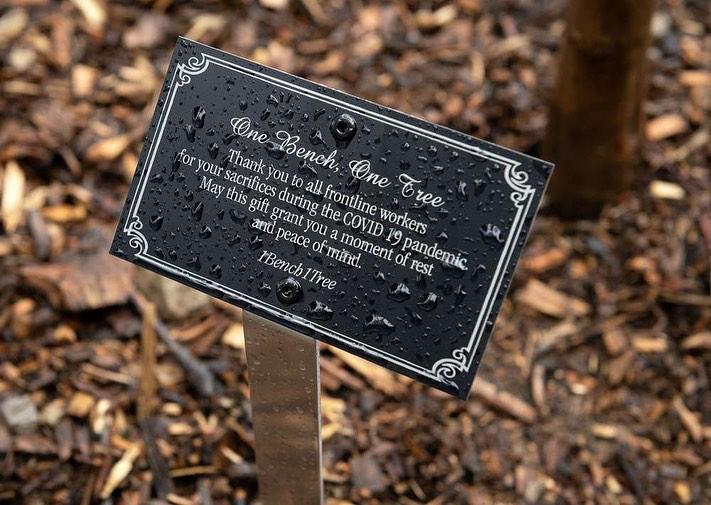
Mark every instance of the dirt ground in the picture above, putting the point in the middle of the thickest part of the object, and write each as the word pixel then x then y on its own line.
pixel 594 388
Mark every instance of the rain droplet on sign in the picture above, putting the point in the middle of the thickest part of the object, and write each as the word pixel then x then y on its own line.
pixel 378 324
pixel 316 137
pixel 455 268
pixel 237 217
pixel 197 211
pixel 156 222
pixel 414 316
pixel 399 292
pixel 190 132
pixel 199 117
pixel 429 302
pixel 319 311
pixel 265 289
pixel 491 233
pixel 462 190
pixel 255 242
pixel 274 150
pixel 459 294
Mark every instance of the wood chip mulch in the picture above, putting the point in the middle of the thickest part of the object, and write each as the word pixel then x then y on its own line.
pixel 594 389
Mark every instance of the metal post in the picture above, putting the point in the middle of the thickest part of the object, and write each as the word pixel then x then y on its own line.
pixel 286 412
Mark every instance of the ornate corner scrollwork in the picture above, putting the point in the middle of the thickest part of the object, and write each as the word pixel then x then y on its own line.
pixel 518 181
pixel 195 65
pixel 136 239
pixel 446 369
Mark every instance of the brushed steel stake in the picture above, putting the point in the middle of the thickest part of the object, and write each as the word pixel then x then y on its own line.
pixel 286 412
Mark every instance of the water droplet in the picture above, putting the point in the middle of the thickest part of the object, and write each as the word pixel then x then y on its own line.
pixel 475 273
pixel 459 294
pixel 274 150
pixel 156 222
pixel 319 311
pixel 213 149
pixel 197 211
pixel 194 262
pixel 414 316
pixel 316 137
pixel 491 233
pixel 205 232
pixel 264 289
pixel 462 190
pixel 399 292
pixel 255 242
pixel 237 217
pixel 455 268
pixel 429 302
pixel 199 117
pixel 190 132
pixel 379 324
pixel 216 271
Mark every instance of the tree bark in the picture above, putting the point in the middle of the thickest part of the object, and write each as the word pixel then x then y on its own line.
pixel 594 132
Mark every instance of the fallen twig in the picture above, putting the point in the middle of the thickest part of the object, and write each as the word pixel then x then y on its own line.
pixel 196 371
pixel 504 401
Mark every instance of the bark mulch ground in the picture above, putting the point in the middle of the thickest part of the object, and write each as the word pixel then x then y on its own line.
pixel 594 389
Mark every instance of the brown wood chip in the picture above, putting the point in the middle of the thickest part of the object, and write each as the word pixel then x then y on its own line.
pixel 379 377
pixel 665 126
pixel 503 400
pixel 701 340
pixel 551 302
pixel 84 284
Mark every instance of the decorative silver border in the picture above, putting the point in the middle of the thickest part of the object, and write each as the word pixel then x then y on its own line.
pixel 444 370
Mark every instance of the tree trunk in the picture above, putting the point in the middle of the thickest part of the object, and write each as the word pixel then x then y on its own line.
pixel 594 130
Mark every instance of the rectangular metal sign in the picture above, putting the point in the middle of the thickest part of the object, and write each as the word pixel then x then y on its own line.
pixel 382 234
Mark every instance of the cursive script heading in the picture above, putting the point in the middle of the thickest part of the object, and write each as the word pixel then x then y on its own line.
pixel 359 169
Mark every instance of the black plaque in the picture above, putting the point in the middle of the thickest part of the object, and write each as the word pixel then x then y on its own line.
pixel 382 234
